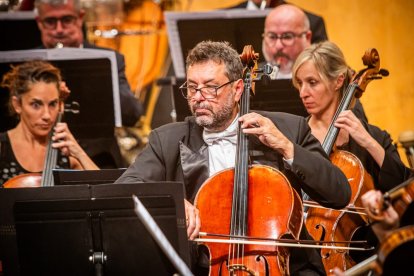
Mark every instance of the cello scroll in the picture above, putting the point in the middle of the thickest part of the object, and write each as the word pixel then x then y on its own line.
pixel 373 71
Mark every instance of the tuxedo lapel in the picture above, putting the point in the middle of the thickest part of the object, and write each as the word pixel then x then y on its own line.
pixel 194 161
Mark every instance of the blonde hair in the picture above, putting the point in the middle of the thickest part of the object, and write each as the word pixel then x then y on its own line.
pixel 329 62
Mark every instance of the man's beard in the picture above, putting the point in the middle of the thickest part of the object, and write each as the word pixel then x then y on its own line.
pixel 216 120
pixel 275 60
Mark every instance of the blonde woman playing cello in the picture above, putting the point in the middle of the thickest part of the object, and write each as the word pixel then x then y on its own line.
pixel 36 92
pixel 321 75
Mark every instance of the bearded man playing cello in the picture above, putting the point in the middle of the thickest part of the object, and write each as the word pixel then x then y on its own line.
pixel 205 144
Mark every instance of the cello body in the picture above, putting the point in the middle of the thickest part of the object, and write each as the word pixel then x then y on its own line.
pixel 274 211
pixel 334 225
pixel 27 180
pixel 34 180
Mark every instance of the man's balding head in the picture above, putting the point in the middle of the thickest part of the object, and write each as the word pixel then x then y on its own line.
pixel 286 34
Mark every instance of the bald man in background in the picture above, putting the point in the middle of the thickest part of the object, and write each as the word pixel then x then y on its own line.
pixel 286 34
pixel 317 24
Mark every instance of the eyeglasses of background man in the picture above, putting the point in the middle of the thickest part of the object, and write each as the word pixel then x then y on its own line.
pixel 287 39
pixel 66 21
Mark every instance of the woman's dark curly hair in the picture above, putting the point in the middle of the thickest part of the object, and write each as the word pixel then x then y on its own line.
pixel 20 79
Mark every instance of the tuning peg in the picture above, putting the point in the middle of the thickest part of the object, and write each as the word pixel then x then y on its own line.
pixel 384 72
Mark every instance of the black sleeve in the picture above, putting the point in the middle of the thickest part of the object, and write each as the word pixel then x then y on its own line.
pixel 131 108
pixel 317 26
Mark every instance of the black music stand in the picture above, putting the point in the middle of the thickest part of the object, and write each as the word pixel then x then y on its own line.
pixel 277 96
pixel 19 31
pixel 92 77
pixel 95 232
pixel 91 177
pixel 237 26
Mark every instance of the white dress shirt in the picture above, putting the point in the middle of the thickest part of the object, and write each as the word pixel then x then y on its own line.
pixel 221 148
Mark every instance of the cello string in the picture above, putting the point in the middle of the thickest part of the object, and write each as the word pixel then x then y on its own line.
pixel 332 134
pixel 244 152
pixel 240 176
pixel 51 158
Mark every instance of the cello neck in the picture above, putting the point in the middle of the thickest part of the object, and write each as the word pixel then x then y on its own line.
pixel 241 174
pixel 50 160
pixel 354 90
pixel 333 131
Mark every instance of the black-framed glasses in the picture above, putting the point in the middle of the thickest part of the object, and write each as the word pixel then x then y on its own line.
pixel 66 21
pixel 287 38
pixel 208 92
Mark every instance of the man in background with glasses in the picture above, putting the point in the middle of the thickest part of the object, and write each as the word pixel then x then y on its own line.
pixel 286 34
pixel 60 23
pixel 205 144
pixel 317 24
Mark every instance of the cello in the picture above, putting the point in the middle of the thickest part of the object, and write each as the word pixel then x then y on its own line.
pixel 239 203
pixel 330 225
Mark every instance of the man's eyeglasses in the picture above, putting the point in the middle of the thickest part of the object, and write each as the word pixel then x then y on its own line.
pixel 66 21
pixel 287 38
pixel 208 92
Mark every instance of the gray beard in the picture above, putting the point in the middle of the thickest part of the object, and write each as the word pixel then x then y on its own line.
pixel 217 120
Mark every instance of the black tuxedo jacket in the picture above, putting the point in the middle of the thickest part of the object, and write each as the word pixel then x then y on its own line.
pixel 131 108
